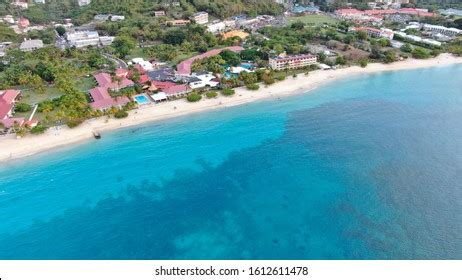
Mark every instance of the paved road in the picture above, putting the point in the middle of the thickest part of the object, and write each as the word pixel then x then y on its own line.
pixel 120 63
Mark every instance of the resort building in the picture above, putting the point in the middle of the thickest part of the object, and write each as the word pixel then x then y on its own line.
pixel 418 39
pixel 184 68
pixel 177 91
pixel 442 30
pixel 292 61
pixel 8 99
pixel 81 39
pixel 202 80
pixel 200 17
pixel 100 96
pixel 375 33
pixel 31 45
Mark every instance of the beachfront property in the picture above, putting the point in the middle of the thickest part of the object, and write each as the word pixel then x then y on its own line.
pixel 438 29
pixel 200 18
pixel 31 45
pixel 8 99
pixel 418 39
pixel 176 91
pixel 374 32
pixel 100 95
pixel 292 61
pixel 202 80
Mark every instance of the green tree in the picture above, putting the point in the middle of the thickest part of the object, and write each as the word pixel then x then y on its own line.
pixel 123 45
pixel 194 97
pixel 22 107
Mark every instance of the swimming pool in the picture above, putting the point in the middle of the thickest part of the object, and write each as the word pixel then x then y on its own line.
pixel 141 99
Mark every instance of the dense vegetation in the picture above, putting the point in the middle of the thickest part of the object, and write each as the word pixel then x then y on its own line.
pixel 56 10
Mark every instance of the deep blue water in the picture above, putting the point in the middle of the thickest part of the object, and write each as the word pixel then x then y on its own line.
pixel 365 168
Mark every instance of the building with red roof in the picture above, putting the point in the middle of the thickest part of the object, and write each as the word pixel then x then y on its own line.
pixel 374 32
pixel 177 90
pixel 23 23
pixel 101 98
pixel 121 73
pixel 184 68
pixel 7 100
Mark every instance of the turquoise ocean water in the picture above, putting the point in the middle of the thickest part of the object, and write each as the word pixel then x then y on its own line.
pixel 365 168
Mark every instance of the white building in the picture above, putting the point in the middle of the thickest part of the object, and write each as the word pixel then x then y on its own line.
pixel 442 30
pixel 203 79
pixel 22 4
pixel 81 39
pixel 117 18
pixel 418 39
pixel 216 27
pixel 375 33
pixel 31 45
pixel 84 2
pixel 292 61
pixel 200 17
pixel 39 1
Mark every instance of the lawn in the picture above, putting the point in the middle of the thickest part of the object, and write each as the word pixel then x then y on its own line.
pixel 313 19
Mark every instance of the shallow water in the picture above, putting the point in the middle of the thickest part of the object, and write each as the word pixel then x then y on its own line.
pixel 366 168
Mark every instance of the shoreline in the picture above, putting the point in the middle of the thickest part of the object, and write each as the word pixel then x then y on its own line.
pixel 12 148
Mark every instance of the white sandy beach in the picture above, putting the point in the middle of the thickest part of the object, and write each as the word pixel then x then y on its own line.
pixel 11 148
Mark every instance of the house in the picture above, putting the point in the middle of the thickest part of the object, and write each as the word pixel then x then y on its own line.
pixel 176 91
pixel 31 45
pixel 374 32
pixel 202 80
pixel 200 17
pixel 8 99
pixel 117 18
pixel 22 4
pixel 84 2
pixel 80 39
pixel 159 97
pixel 159 13
pixel 163 74
pixel 178 22
pixel 101 17
pixel 292 61
pixel 184 68
pixel 23 23
pixel 100 96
